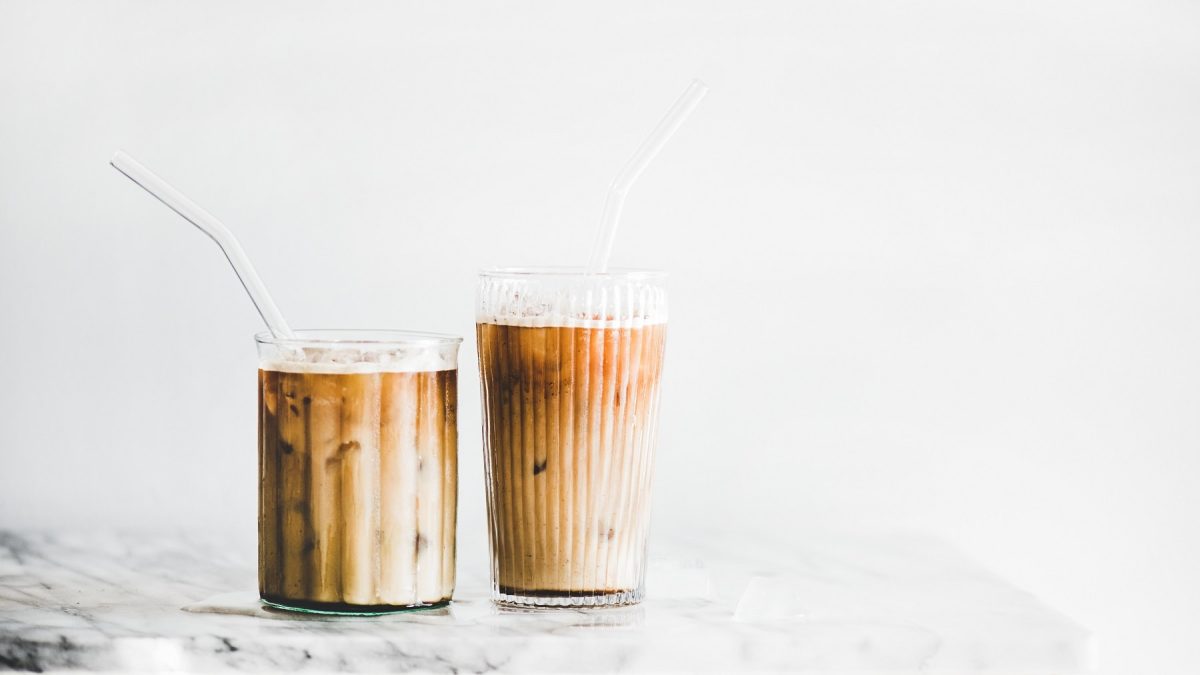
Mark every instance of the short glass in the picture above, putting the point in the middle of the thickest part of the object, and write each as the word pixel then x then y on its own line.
pixel 358 470
pixel 571 367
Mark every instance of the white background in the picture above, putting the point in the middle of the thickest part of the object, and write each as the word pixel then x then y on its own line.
pixel 934 263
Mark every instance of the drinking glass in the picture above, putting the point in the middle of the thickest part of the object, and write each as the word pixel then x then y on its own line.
pixel 358 470
pixel 571 366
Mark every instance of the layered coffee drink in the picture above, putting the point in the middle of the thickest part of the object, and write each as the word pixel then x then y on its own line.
pixel 571 366
pixel 357 472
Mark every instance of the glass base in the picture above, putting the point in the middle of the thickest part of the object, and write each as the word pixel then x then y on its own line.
pixel 344 609
pixel 514 597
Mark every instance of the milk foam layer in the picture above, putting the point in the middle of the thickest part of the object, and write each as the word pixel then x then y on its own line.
pixel 572 301
pixel 351 360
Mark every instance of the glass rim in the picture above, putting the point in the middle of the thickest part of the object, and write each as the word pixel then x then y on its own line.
pixel 358 336
pixel 570 272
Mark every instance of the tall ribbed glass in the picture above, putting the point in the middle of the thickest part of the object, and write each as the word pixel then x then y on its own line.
pixel 571 366
pixel 358 470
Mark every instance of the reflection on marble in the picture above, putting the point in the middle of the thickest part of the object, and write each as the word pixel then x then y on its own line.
pixel 894 604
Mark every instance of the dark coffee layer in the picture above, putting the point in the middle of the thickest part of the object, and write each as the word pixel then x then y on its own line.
pixel 555 593
pixel 347 608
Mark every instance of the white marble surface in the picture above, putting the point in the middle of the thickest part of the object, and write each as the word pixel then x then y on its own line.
pixel 890 604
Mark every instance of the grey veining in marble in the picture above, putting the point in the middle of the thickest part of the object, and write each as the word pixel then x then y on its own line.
pixel 893 604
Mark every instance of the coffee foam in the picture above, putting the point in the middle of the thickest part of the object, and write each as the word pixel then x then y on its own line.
pixel 349 360
pixel 608 304
pixel 568 321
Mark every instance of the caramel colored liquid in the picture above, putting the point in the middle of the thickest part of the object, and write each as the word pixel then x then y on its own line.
pixel 357 489
pixel 570 418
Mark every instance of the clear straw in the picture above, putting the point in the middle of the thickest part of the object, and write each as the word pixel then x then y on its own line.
pixel 208 224
pixel 615 199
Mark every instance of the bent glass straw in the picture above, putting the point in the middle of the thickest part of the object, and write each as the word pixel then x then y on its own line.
pixel 208 224
pixel 615 199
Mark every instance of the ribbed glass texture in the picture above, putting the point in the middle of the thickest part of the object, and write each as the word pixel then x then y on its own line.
pixel 571 366
pixel 358 472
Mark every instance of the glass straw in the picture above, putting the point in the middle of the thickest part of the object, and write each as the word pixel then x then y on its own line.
pixel 208 224
pixel 615 199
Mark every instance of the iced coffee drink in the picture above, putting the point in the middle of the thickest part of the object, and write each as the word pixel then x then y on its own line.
pixel 357 470
pixel 571 365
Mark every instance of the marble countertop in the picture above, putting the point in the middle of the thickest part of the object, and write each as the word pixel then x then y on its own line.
pixel 827 603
